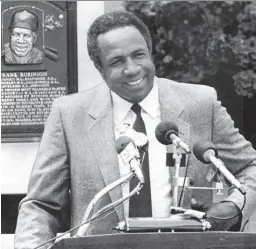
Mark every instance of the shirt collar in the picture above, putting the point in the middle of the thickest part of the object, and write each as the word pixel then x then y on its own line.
pixel 121 108
pixel 150 104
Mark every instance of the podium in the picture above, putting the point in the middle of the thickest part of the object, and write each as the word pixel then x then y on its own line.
pixel 176 240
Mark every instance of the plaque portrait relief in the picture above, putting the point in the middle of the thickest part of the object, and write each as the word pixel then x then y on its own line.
pixel 35 64
pixel 23 34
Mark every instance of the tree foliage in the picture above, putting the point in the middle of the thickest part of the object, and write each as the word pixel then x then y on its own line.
pixel 194 41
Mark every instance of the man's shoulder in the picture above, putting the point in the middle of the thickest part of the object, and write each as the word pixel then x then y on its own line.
pixel 7 54
pixel 36 55
pixel 184 89
pixel 83 98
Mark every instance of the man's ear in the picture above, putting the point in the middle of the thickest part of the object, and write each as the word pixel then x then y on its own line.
pixel 35 37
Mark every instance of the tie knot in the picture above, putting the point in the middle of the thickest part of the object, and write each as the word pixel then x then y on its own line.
pixel 136 108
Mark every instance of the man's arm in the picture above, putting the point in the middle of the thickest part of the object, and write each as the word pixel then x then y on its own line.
pixel 238 156
pixel 41 211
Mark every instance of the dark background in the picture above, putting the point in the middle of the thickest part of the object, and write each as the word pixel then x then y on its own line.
pixel 207 42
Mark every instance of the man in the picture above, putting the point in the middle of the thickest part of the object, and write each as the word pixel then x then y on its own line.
pixel 23 35
pixel 77 156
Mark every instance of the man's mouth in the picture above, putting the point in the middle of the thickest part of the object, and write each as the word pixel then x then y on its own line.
pixel 21 47
pixel 135 82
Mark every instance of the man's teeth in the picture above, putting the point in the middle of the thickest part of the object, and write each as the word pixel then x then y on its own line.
pixel 133 83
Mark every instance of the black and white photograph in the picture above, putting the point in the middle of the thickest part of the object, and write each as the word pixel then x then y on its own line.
pixel 128 124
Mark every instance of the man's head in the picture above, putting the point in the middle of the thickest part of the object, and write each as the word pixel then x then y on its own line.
pixel 120 46
pixel 23 32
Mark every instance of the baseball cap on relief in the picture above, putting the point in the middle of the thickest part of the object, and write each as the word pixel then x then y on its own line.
pixel 24 19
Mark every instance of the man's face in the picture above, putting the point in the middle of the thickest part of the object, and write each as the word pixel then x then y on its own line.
pixel 127 66
pixel 22 41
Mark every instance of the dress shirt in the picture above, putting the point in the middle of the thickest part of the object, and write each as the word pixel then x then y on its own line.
pixel 160 179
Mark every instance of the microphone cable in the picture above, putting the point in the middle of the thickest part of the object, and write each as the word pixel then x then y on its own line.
pixel 209 217
pixel 213 218
pixel 102 211
pixel 216 223
pixel 184 181
pixel 231 217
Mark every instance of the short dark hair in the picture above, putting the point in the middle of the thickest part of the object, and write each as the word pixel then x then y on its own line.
pixel 110 21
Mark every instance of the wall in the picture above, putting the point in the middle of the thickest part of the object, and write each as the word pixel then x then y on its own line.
pixel 88 76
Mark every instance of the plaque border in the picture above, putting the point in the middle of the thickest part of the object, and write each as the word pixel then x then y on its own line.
pixel 15 136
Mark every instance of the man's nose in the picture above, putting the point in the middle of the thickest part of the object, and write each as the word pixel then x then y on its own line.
pixel 131 68
pixel 21 39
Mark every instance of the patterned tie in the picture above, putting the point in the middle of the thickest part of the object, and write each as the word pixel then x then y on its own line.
pixel 140 205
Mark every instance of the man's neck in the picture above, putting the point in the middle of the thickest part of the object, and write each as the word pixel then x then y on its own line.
pixel 22 60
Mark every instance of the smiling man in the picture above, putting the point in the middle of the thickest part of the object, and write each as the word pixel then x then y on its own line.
pixel 23 35
pixel 127 66
pixel 77 156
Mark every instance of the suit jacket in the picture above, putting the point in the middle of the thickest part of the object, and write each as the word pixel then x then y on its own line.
pixel 77 157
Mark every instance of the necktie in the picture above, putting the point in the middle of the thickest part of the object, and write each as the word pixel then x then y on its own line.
pixel 140 205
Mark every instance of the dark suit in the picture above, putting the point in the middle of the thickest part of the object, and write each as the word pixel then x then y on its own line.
pixel 77 153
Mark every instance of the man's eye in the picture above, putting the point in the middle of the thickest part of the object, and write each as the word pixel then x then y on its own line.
pixel 15 35
pixel 139 55
pixel 116 62
pixel 27 36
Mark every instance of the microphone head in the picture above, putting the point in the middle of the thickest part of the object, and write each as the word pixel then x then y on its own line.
pixel 121 143
pixel 164 130
pixel 138 138
pixel 200 147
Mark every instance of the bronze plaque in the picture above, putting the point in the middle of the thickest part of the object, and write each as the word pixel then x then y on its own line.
pixel 34 65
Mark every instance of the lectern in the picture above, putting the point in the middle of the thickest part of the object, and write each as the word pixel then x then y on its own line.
pixel 164 240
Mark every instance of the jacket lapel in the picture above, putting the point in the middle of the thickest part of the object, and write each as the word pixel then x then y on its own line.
pixel 102 139
pixel 172 110
pixel 170 103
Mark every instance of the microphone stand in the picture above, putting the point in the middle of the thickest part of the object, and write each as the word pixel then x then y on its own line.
pixel 84 228
pixel 177 158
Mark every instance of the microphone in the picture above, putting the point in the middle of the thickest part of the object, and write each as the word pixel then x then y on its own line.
pixel 138 138
pixel 207 153
pixel 129 153
pixel 167 133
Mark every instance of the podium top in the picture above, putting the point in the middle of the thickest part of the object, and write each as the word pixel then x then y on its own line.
pixel 177 240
